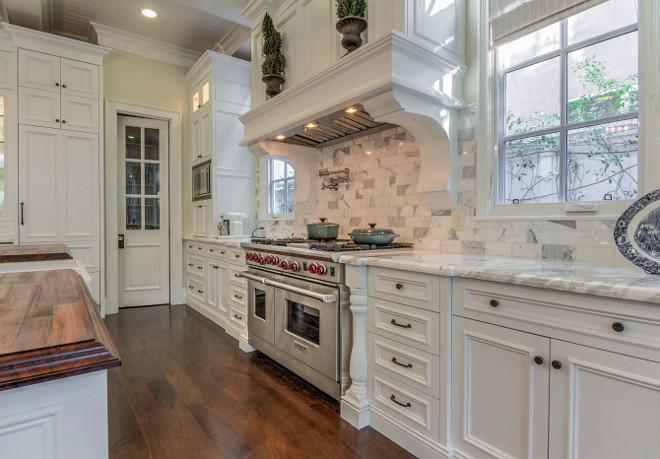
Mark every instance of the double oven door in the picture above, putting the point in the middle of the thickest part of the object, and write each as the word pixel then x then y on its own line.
pixel 298 317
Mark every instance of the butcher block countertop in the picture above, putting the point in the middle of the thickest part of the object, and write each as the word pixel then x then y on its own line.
pixel 50 328
pixel 33 252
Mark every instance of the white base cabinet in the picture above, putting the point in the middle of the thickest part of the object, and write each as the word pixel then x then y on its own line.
pixel 213 288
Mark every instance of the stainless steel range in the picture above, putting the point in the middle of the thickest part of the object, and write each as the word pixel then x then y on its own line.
pixel 298 306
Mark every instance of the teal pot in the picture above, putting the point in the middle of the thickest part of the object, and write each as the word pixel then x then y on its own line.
pixel 322 230
pixel 372 235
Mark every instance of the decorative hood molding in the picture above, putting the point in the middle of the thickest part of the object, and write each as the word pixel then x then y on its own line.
pixel 397 81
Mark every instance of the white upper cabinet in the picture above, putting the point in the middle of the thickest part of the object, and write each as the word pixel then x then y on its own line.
pixel 39 108
pixel 79 114
pixel 200 96
pixel 38 70
pixel 79 79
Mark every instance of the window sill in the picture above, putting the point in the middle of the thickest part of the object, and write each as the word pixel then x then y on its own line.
pixel 606 211
pixel 280 217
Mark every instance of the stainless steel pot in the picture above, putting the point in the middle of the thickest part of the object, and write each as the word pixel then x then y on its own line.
pixel 322 230
pixel 372 235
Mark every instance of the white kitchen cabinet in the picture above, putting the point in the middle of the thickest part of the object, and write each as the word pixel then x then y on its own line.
pixel 55 74
pixel 500 406
pixel 50 109
pixel 58 187
pixel 201 218
pixel 201 136
pixel 200 96
pixel 215 285
pixel 550 394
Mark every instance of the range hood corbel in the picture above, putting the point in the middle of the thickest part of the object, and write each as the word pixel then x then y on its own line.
pixel 397 82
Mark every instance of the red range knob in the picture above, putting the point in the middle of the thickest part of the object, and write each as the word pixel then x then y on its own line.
pixel 253 256
pixel 274 260
pixel 311 267
pixel 261 260
pixel 320 269
pixel 267 259
pixel 284 264
pixel 294 267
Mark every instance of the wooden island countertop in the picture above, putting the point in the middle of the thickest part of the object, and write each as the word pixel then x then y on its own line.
pixel 50 328
pixel 33 252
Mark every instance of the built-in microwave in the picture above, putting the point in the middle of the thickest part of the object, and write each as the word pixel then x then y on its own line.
pixel 201 180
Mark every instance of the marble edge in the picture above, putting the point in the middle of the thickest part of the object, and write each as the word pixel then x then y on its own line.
pixel 557 282
pixel 230 242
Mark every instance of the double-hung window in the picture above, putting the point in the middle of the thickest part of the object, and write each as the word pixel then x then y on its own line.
pixel 563 104
pixel 281 187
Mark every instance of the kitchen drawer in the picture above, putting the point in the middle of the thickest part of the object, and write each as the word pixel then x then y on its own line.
pixel 238 297
pixel 237 256
pixel 239 281
pixel 416 368
pixel 415 327
pixel 560 311
pixel 195 288
pixel 238 318
pixel 414 289
pixel 217 251
pixel 194 247
pixel 416 410
pixel 195 265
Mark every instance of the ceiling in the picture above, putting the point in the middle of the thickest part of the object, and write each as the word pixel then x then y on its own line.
pixel 186 25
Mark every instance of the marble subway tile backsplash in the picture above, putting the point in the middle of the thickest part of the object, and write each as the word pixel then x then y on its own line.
pixel 382 189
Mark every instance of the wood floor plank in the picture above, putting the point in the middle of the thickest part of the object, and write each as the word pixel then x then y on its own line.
pixel 185 389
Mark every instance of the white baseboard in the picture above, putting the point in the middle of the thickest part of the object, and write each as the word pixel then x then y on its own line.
pixel 358 418
pixel 412 441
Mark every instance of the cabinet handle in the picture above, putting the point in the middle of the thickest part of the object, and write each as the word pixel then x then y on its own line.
pixel 404 365
pixel 538 360
pixel 200 267
pixel 64 86
pixel 405 405
pixel 216 267
pixel 199 156
pixel 494 303
pixel 238 297
pixel 57 84
pixel 63 122
pixel 200 248
pixel 556 364
pixel 200 291
pixel 199 207
pixel 199 106
pixel 57 120
pixel 190 264
pixel 22 211
pixel 618 327
pixel 399 286
pixel 393 322
pixel 210 250
pixel 238 317
pixel 222 253
pixel 190 287
pixel 237 255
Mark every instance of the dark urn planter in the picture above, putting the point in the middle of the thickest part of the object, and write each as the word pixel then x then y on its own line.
pixel 351 27
pixel 273 83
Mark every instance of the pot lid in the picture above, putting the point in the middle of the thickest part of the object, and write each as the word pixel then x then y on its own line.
pixel 372 231
pixel 323 224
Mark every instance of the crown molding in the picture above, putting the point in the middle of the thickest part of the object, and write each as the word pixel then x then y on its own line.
pixel 233 39
pixel 137 44
pixel 218 61
pixel 56 44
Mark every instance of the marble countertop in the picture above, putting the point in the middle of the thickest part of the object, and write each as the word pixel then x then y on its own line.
pixel 630 283
pixel 230 241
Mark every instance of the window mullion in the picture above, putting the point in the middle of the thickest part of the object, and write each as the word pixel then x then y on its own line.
pixel 563 113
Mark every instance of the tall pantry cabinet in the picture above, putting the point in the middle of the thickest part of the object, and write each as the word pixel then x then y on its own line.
pixel 59 145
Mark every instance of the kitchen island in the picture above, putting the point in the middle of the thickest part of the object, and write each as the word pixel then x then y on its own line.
pixel 54 354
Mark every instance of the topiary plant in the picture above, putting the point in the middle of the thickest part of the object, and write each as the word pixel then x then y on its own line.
pixel 351 8
pixel 274 60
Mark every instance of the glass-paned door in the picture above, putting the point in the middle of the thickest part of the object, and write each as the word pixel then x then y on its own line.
pixel 143 211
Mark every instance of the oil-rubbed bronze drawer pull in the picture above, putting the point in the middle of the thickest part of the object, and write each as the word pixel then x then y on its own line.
pixel 200 291
pixel 216 267
pixel 393 322
pixel 618 327
pixel 238 255
pixel 404 365
pixel 200 267
pixel 222 253
pixel 190 264
pixel 238 317
pixel 399 286
pixel 238 297
pixel 405 405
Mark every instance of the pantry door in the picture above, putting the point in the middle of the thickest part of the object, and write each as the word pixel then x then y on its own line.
pixel 143 204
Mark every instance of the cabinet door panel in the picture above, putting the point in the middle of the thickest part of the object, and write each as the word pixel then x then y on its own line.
pixel 500 395
pixel 38 70
pixel 80 218
pixel 39 108
pixel 40 183
pixel 80 79
pixel 80 114
pixel 603 405
pixel 196 134
pixel 205 135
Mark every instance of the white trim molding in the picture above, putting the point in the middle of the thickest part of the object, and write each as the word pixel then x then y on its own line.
pixel 114 108
pixel 147 47
pixel 397 81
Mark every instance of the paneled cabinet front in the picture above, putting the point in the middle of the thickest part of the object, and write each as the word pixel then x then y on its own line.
pixel 58 185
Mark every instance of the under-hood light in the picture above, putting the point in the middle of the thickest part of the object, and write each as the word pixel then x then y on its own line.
pixel 311 125
pixel 280 137
pixel 351 110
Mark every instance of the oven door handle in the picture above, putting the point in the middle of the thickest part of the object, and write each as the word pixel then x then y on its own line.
pixel 325 298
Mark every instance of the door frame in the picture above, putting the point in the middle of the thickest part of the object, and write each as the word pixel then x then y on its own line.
pixel 113 109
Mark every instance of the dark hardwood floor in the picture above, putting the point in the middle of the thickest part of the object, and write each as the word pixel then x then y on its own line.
pixel 185 390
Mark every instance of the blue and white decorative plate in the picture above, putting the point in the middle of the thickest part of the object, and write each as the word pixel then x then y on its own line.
pixel 637 233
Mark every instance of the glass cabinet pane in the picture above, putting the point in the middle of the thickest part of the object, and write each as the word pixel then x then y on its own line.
pixel 151 213
pixel 151 179
pixel 133 214
pixel 133 178
pixel 151 146
pixel 133 142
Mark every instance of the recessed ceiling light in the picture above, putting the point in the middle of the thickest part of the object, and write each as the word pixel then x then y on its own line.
pixel 280 137
pixel 148 12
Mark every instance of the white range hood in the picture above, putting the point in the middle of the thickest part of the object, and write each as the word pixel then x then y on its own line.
pixel 397 81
